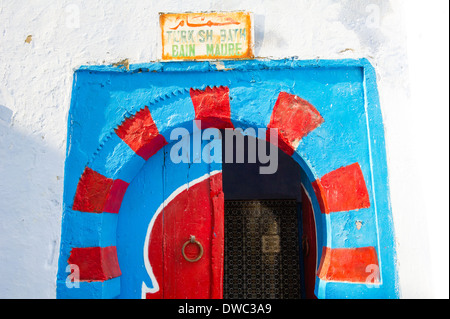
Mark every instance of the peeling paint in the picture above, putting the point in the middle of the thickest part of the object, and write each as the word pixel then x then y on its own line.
pixel 358 224
pixel 220 66
pixel 122 64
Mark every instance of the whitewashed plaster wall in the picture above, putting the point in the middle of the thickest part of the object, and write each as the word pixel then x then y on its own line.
pixel 36 81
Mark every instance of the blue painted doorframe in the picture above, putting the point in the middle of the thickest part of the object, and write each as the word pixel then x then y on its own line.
pixel 345 94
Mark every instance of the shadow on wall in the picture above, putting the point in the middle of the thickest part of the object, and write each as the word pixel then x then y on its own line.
pixel 31 188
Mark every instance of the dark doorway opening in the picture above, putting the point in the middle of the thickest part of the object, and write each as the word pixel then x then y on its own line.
pixel 263 227
pixel 261 259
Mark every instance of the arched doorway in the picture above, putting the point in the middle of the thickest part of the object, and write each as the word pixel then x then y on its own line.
pixel 330 123
pixel 262 222
pixel 263 257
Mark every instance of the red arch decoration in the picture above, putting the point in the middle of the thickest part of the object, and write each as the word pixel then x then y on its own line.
pixel 340 190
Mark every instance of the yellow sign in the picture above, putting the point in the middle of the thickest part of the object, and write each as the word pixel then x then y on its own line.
pixel 206 36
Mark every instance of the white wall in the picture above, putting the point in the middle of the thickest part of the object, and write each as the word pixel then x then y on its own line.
pixel 36 80
pixel 428 57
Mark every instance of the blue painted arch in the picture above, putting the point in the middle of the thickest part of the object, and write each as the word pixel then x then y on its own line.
pixel 344 92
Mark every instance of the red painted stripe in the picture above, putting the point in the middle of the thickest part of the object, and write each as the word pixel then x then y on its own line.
pixel 95 263
pixel 141 134
pixel 97 194
pixel 115 197
pixel 348 264
pixel 321 196
pixel 294 118
pixel 212 107
pixel 92 192
pixel 342 190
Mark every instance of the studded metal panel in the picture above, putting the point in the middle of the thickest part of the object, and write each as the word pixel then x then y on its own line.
pixel 261 250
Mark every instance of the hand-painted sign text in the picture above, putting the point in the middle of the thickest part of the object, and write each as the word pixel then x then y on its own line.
pixel 200 36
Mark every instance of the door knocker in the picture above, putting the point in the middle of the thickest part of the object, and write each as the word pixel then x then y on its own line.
pixel 192 240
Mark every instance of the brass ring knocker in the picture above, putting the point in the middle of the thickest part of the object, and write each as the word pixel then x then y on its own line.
pixel 192 240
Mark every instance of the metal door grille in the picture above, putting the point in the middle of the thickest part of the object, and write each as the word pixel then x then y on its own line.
pixel 261 250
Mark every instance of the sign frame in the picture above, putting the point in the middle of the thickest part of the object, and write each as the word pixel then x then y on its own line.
pixel 203 36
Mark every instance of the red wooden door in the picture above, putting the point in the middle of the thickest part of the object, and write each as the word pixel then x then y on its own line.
pixel 193 211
